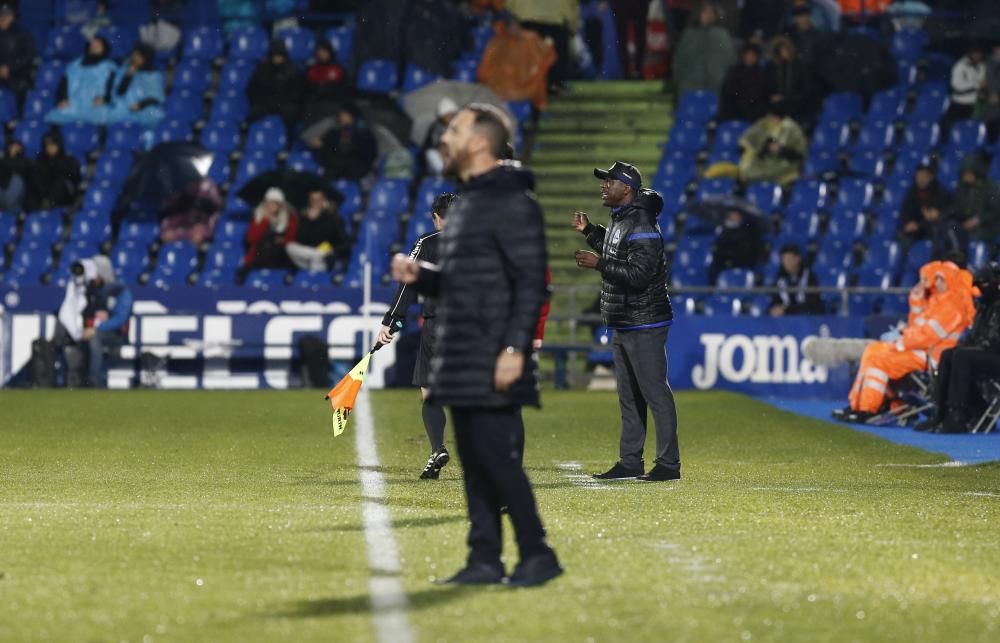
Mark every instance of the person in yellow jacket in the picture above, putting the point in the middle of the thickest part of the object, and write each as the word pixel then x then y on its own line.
pixel 941 308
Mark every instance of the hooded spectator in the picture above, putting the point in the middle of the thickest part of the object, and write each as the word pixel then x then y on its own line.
pixel 968 75
pixel 276 87
pixel 793 281
pixel 14 175
pixel 321 237
pixel 17 51
pixel 135 92
pixel 977 201
pixel 325 75
pixel 793 80
pixel 925 192
pixel 747 89
pixel 704 54
pixel 274 225
pixel 55 177
pixel 81 90
pixel 737 246
pixel 773 148
pixel 809 41
pixel 516 63
pixel 348 150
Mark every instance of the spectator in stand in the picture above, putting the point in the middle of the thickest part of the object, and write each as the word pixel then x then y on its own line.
pixel 14 175
pixel 515 64
pixel 325 76
pixel 926 191
pixel 192 214
pixel 990 108
pixel 977 201
pixel 794 279
pixel 17 51
pixel 773 148
pixel 947 235
pixel 704 54
pixel 81 90
pixel 556 20
pixel 55 177
pixel 861 10
pixel 762 20
pixel 321 237
pixel 793 84
pixel 446 110
pixel 630 24
pixel 274 225
pixel 737 246
pixel 809 41
pixel 747 89
pixel 968 77
pixel 276 87
pixel 134 93
pixel 347 150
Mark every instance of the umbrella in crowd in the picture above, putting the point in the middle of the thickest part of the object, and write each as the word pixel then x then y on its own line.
pixel 162 173
pixel 295 185
pixel 714 210
pixel 421 104
pixel 381 112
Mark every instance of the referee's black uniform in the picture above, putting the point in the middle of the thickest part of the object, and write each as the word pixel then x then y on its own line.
pixel 425 249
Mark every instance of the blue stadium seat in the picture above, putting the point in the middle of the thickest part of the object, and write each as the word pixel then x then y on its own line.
pixel 697 106
pixel 299 42
pixel 267 134
pixel 429 190
pixel 867 163
pixel 920 135
pixel 64 43
pixel 715 188
pixel 235 76
pixel 419 224
pixel 931 103
pixel 174 263
pixel 112 166
pixel 29 133
pixel 766 196
pixel 247 43
pixel 193 74
pixel 820 162
pixel 8 105
pixel 80 139
pixel 678 165
pixel 184 105
pixel 267 279
pixel 219 170
pixel 91 226
pixel 216 279
pixel 130 259
pixel 688 136
pixel 807 195
pixel 522 110
pixel 228 231
pixel 378 76
pixel 311 280
pixel 728 133
pixel 170 130
pixel 994 169
pixel 221 137
pixel 949 168
pixel 224 256
pixel 481 35
pixel 886 105
pixel 202 43
pixel 875 135
pixel 101 196
pixel 416 77
pixel 830 136
pixel 8 229
pixel 140 232
pixel 918 254
pixel 351 192
pixel 342 41
pixel 736 278
pixel 43 227
pixel 251 165
pixel 126 137
pixel 801 224
pixel 230 105
pixel 843 107
pixel 465 70
pixel 121 39
pixel 31 259
pixel 966 137
pixel 38 103
pixel 302 161
pixel 389 195
pixel 722 306
pixel 907 44
pixel 49 75
pixel 854 193
pixel 846 224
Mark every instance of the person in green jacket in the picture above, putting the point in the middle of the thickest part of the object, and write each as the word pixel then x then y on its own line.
pixel 704 54
pixel 773 148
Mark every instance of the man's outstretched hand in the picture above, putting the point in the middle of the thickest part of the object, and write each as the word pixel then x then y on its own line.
pixel 586 259
pixel 580 221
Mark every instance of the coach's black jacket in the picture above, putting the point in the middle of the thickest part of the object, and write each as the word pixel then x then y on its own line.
pixel 985 331
pixel 633 265
pixel 490 287
pixel 425 249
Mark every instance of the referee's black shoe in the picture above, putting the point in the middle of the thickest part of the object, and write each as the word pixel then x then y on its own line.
pixel 660 473
pixel 474 574
pixel 434 464
pixel 536 570
pixel 619 472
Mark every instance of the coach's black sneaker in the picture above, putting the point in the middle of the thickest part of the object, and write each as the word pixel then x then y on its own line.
pixel 619 472
pixel 475 574
pixel 536 570
pixel 660 473
pixel 434 464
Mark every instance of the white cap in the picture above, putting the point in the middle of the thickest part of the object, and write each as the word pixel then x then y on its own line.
pixel 274 194
pixel 446 106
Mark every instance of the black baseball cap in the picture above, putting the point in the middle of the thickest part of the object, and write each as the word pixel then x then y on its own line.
pixel 623 172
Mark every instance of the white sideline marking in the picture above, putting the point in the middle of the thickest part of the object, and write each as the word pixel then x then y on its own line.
pixel 952 463
pixel 571 470
pixel 798 489
pixel 385 592
pixel 983 494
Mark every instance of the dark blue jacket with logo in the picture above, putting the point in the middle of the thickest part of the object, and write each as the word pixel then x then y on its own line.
pixel 633 265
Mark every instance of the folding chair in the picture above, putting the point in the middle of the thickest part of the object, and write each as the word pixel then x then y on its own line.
pixel 914 391
pixel 990 390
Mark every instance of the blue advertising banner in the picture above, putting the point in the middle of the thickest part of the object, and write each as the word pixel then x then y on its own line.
pixel 759 356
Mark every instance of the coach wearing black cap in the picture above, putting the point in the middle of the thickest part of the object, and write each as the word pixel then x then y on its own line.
pixel 634 303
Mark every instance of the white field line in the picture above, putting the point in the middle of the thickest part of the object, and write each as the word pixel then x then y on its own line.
pixel 572 472
pixel 385 590
pixel 937 465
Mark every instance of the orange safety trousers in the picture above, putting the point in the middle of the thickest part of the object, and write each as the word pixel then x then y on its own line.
pixel 880 364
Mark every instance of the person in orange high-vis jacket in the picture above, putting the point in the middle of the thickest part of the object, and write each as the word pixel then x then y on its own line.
pixel 941 308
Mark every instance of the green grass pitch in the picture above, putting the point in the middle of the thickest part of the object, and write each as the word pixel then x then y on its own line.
pixel 197 516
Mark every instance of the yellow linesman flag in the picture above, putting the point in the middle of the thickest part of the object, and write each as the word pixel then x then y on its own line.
pixel 343 395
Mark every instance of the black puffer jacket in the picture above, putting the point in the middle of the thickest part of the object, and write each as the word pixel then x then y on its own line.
pixel 633 265
pixel 985 331
pixel 490 287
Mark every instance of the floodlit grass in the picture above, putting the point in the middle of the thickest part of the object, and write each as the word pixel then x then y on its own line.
pixel 235 517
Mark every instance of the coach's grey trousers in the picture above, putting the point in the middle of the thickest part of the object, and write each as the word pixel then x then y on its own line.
pixel 641 373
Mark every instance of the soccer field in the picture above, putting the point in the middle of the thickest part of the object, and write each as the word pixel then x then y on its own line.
pixel 175 516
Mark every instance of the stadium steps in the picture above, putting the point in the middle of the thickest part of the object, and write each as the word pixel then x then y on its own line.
pixel 592 125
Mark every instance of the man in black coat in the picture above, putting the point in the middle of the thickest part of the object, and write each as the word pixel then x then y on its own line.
pixel 634 303
pixel 17 51
pixel 276 86
pixel 976 357
pixel 490 286
pixel 926 192
pixel 426 249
